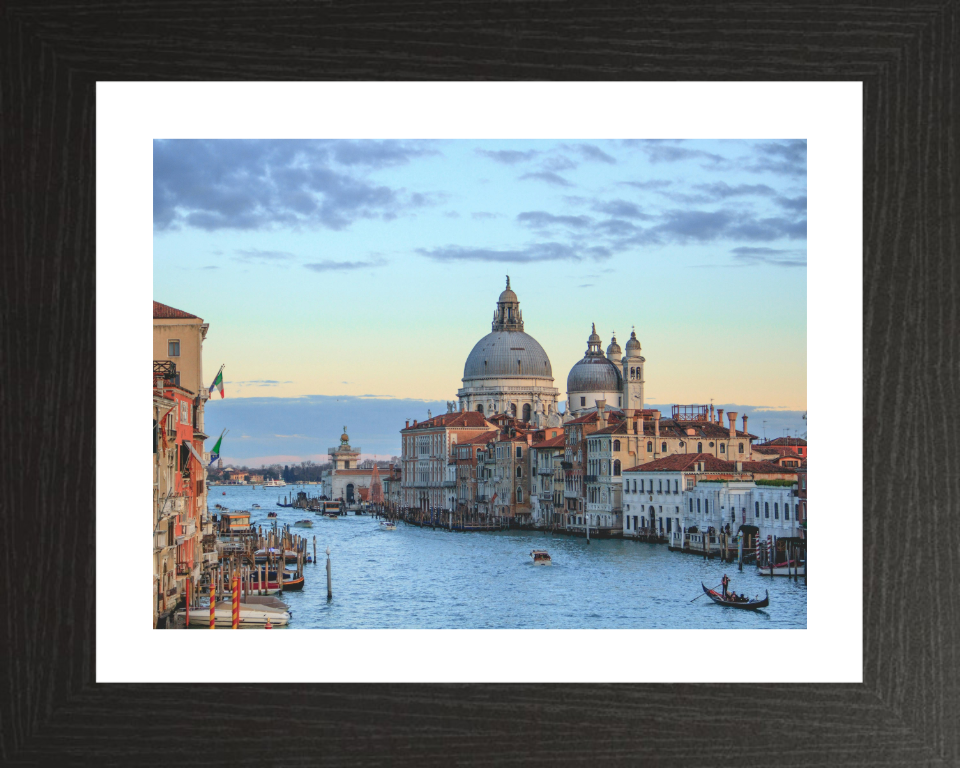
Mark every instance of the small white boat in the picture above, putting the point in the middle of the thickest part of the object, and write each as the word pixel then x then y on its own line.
pixel 256 506
pixel 303 524
pixel 331 516
pixel 254 612
pixel 388 525
pixel 782 570
pixel 541 557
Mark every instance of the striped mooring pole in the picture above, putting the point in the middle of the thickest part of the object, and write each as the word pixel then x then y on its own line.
pixel 236 602
pixel 213 602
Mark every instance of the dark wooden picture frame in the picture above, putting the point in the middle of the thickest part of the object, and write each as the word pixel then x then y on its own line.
pixel 907 710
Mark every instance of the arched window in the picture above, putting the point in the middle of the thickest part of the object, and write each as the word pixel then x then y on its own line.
pixel 519 495
pixel 616 445
pixel 526 412
pixel 663 447
pixel 723 448
pixel 691 506
pixel 698 506
pixel 519 471
pixel 776 511
pixel 699 447
pixel 766 509
pixel 706 506
pixel 649 446
pixel 480 408
pixel 786 511
pixel 756 509
pixel 616 468
pixel 513 410
pixel 741 447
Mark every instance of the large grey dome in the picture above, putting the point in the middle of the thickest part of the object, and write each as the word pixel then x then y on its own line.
pixel 594 374
pixel 507 353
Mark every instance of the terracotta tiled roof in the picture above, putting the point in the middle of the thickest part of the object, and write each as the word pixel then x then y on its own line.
pixel 777 450
pixel 684 462
pixel 483 439
pixel 553 442
pixel 162 310
pixel 468 419
pixel 355 471
pixel 793 441
pixel 620 428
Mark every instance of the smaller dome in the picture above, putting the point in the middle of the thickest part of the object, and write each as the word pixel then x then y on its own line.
pixel 633 344
pixel 614 349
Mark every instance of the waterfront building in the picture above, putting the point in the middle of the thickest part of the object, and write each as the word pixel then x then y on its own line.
pixel 507 371
pixel 467 460
pixel 574 462
pixel 795 445
pixel 785 457
pixel 183 530
pixel 546 475
pixel 346 477
pixel 425 455
pixel 670 496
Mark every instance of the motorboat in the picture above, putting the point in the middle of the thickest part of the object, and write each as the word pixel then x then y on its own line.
pixel 271 514
pixel 256 506
pixel 331 516
pixel 541 557
pixel 747 605
pixel 303 524
pixel 264 555
pixel 388 525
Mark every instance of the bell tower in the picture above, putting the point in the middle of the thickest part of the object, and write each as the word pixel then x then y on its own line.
pixel 633 374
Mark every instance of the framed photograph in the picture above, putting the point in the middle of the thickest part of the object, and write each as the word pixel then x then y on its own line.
pixel 342 445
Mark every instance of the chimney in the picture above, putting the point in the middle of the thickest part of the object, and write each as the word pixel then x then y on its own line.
pixel 711 412
pixel 529 438
pixel 744 423
pixel 732 416
pixel 414 422
pixel 720 416
pixel 629 414
pixel 601 412
pixel 656 424
pixel 408 424
pixel 739 466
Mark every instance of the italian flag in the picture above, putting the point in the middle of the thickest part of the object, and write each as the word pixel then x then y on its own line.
pixel 215 453
pixel 217 384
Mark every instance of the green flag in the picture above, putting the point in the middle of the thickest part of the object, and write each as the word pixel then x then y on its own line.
pixel 215 453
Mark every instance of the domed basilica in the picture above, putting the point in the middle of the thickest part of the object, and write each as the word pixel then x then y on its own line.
pixel 509 372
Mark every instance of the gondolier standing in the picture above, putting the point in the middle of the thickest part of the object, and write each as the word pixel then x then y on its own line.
pixel 725 580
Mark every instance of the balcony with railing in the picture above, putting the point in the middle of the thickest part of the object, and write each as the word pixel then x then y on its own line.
pixel 183 569
pixel 160 540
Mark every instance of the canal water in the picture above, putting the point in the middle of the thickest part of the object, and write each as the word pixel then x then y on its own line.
pixel 419 578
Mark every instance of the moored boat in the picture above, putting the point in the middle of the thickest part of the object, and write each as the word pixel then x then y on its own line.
pixel 255 611
pixel 263 555
pixel 749 605
pixel 291 581
pixel 541 557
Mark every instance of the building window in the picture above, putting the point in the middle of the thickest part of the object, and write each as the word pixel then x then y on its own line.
pixel 519 496
pixel 723 448
pixel 519 452
pixel 173 347
pixel 660 486
pixel 756 509
pixel 699 447
pixel 796 512
pixel 786 511
pixel 776 511
pixel 706 506
pixel 616 468
pixel 766 509
pixel 616 445
pixel 675 488
pixel 649 446
pixel 519 471
pixel 583 401
pixel 480 408
pixel 691 506
pixel 741 447
pixel 526 412
pixel 634 486
pixel 663 447
pixel 698 506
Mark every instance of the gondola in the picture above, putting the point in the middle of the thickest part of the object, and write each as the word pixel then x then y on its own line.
pixel 751 605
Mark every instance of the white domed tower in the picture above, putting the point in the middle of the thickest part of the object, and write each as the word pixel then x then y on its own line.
pixel 633 374
pixel 507 371
pixel 595 377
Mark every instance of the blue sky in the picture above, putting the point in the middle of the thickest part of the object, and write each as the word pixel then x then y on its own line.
pixel 366 270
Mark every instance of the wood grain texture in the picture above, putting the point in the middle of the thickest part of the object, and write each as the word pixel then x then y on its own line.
pixel 907 713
